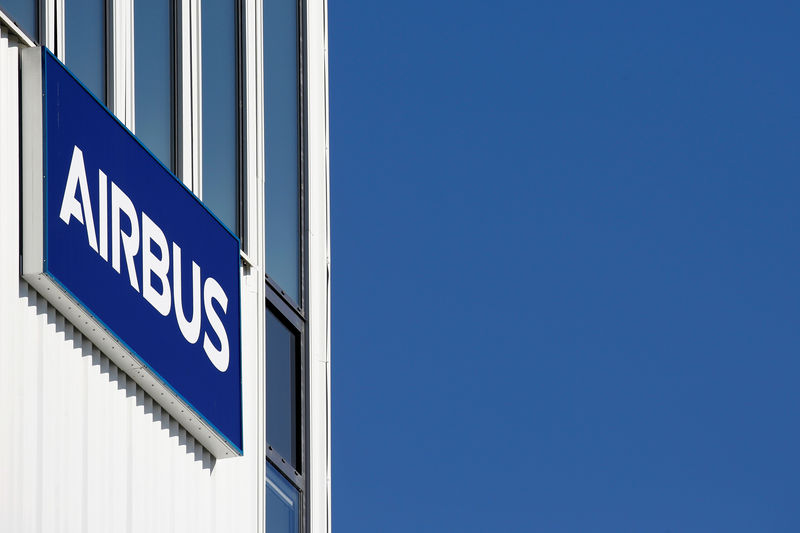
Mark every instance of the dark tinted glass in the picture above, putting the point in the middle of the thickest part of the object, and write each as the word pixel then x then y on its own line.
pixel 283 502
pixel 282 389
pixel 220 110
pixel 85 43
pixel 24 14
pixel 155 121
pixel 281 144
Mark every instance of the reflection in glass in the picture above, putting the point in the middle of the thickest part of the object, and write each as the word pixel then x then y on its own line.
pixel 24 14
pixel 220 110
pixel 283 502
pixel 154 77
pixel 282 389
pixel 281 144
pixel 85 43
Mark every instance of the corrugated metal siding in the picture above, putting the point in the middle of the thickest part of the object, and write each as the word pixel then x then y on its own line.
pixel 82 447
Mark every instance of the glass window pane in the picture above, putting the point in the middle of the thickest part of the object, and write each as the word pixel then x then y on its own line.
pixel 153 72
pixel 24 14
pixel 283 504
pixel 281 144
pixel 85 43
pixel 220 110
pixel 282 389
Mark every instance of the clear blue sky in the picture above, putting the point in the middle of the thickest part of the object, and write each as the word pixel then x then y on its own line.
pixel 566 251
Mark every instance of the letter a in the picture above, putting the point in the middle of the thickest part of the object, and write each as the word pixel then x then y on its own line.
pixel 70 207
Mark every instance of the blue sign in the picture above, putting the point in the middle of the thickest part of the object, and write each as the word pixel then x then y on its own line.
pixel 133 246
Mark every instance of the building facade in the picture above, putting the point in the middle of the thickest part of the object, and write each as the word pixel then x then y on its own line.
pixel 230 97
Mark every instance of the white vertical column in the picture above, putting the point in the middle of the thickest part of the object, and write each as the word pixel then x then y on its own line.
pixel 120 50
pixel 58 23
pixel 196 98
pixel 48 25
pixel 254 233
pixel 183 83
pixel 318 239
pixel 188 87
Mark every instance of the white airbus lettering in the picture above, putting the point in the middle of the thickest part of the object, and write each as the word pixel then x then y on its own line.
pixel 145 236
pixel 102 186
pixel 214 292
pixel 190 329
pixel 120 203
pixel 152 234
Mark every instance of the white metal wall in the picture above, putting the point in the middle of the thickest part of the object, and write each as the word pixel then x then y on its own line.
pixel 82 447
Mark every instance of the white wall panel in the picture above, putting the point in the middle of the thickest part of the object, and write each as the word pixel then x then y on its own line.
pixel 12 491
pixel 87 450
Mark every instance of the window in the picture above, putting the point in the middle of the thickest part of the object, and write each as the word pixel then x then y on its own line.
pixel 154 78
pixel 25 14
pixel 282 142
pixel 220 114
pixel 286 379
pixel 283 502
pixel 85 43
pixel 286 363
pixel 282 390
